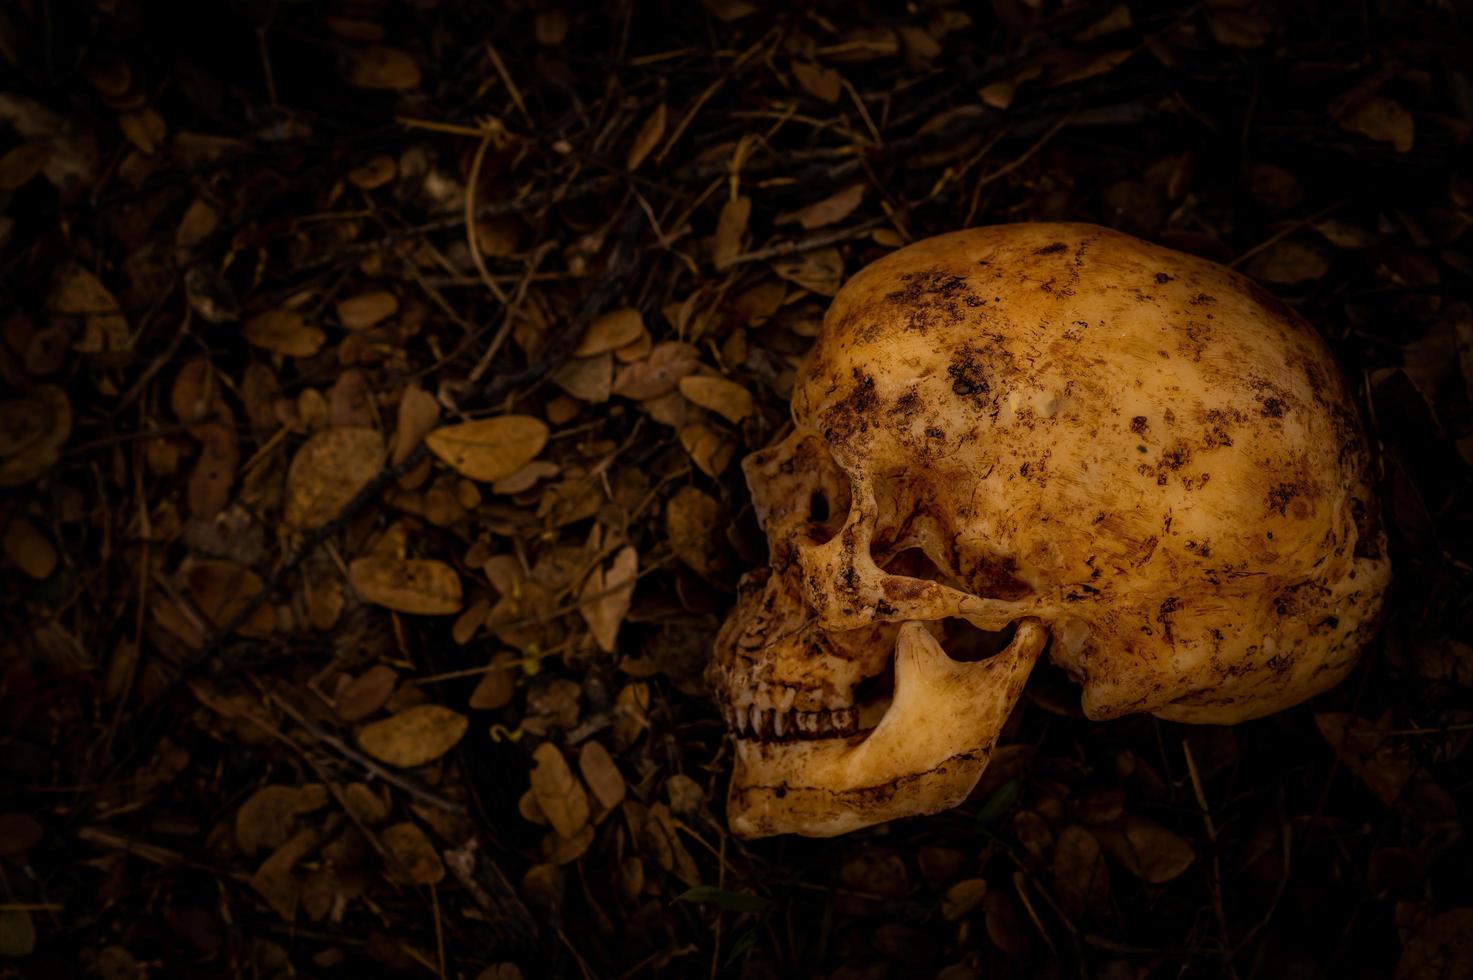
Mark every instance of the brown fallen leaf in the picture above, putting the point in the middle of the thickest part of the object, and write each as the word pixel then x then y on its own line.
pixel 214 471
pixel 731 228
pixel 691 519
pixel 612 330
pixel 222 588
pixel 414 736
pixel 1081 876
pixel 274 880
pixel 601 774
pixel 417 857
pixel 1146 849
pixel 559 794
pixel 962 898
pixel 659 373
pixel 1442 949
pixel 489 449
pixel 329 469
pixel 421 586
pixel 366 693
pixel 818 81
pixel 835 207
pixel 381 69
pixel 720 395
pixel 497 685
pixel 29 550
pixel 366 309
pixel 285 332
pixel 32 431
pixel 1384 120
pixel 1287 263
pixel 77 294
pixel 607 595
pixel 647 138
pixel 374 173
pixel 820 271
pixel 265 821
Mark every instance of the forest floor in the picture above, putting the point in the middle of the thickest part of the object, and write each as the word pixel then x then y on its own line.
pixel 299 677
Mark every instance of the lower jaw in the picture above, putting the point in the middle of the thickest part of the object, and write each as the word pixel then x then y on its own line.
pixel 925 755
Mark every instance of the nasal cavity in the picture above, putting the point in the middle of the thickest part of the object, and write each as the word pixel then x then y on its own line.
pixel 818 508
pixel 967 644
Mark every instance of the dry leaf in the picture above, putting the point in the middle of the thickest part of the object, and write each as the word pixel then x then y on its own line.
pixel 220 589
pixel 1145 848
pixel 606 597
pixel 381 69
pixel 417 857
pixel 612 330
pixel 588 379
pixel 374 173
pixel 366 693
pixel 17 932
pixel 724 397
pixel 1442 949
pixel 424 587
pixel 283 332
pixel 659 373
pixel 214 470
pixel 489 449
pixel 690 522
pixel 831 209
pixel 1287 263
pixel 418 413
pixel 498 684
pixel 1383 120
pixel 327 472
pixel 145 129
pixel 962 898
pixel 559 794
pixel 601 774
pixel 414 736
pixel 77 294
pixel 731 228
pixel 820 272
pixel 818 81
pixel 265 821
pixel 274 881
pixel 20 165
pixel 32 432
pixel 647 139
pixel 711 451
pixel 366 309
pixel 29 550
pixel 1081 877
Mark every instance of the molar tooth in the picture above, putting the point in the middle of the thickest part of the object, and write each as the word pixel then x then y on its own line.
pixel 844 720
pixel 825 721
pixel 807 721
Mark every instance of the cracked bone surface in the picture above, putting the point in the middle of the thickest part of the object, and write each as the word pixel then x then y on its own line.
pixel 1030 436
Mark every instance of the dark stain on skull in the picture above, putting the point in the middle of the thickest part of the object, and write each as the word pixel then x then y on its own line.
pixel 931 298
pixel 1053 249
pixel 1280 496
pixel 968 372
pixel 1163 616
pixel 1138 425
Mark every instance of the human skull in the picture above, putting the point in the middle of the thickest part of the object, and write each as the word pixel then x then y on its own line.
pixel 1030 436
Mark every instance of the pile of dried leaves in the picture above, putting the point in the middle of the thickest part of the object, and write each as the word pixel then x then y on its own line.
pixel 374 376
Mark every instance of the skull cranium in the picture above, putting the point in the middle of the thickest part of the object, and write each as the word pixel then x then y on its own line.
pixel 1030 436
